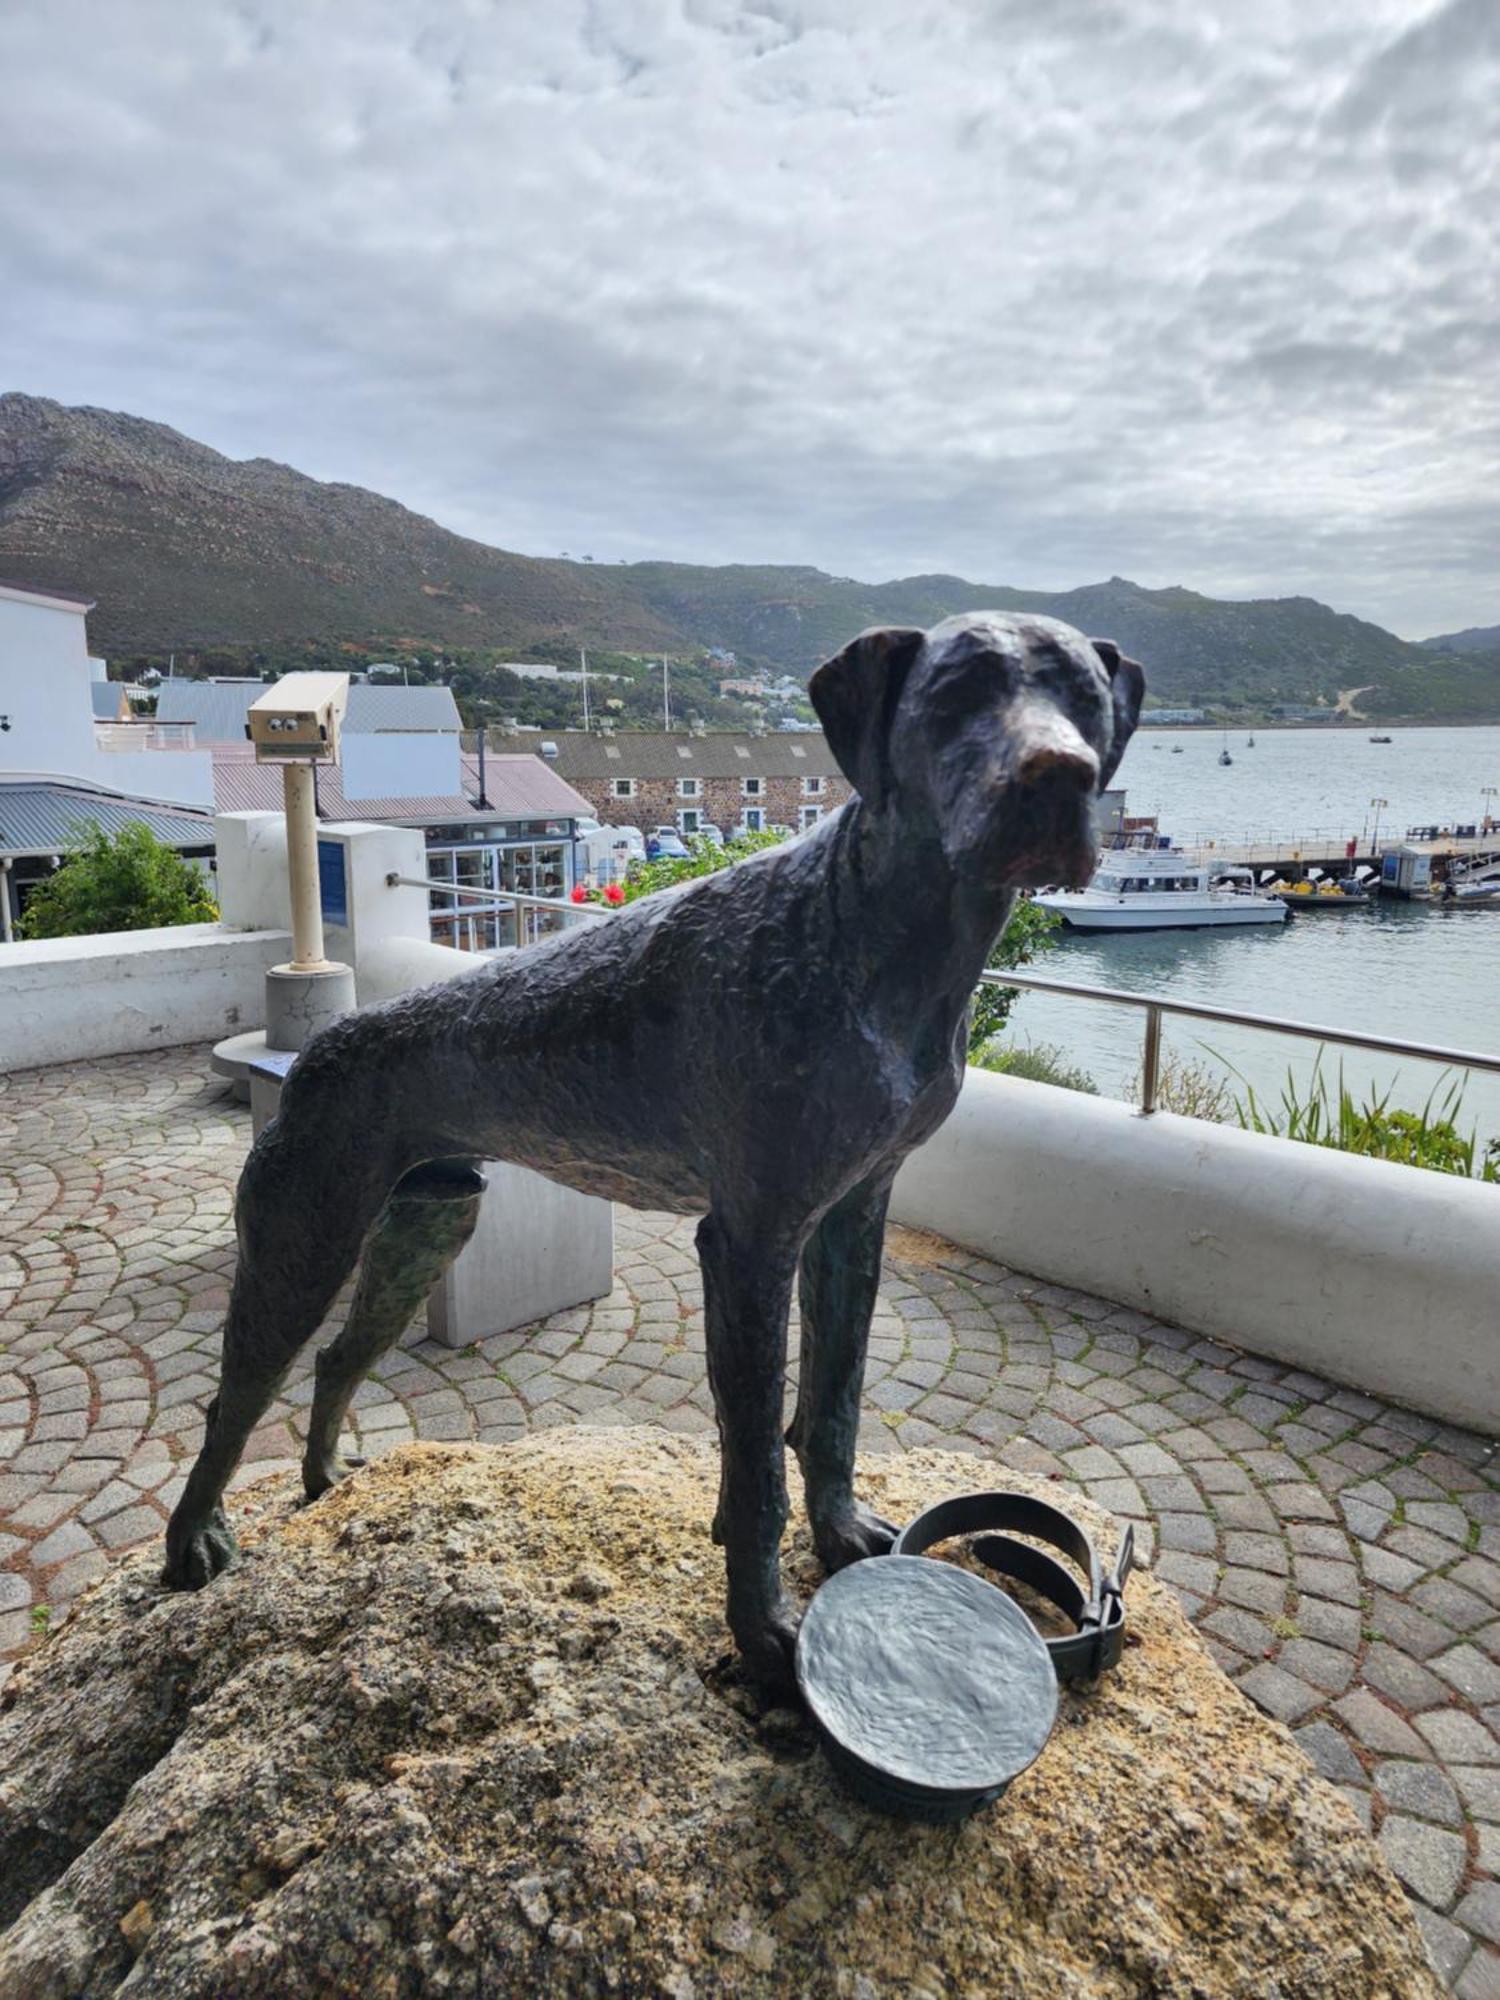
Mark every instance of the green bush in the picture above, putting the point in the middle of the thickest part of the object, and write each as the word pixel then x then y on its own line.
pixel 1031 931
pixel 644 878
pixel 1038 1062
pixel 128 881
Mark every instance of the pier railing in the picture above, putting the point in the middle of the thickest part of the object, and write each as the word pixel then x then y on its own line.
pixel 1325 844
pixel 1154 1009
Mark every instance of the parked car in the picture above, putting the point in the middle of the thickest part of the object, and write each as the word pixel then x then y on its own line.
pixel 603 853
pixel 665 843
pixel 707 832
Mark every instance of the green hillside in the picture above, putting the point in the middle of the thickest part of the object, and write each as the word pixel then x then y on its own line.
pixel 190 552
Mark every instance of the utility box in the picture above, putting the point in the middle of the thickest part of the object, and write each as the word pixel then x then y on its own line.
pixel 299 718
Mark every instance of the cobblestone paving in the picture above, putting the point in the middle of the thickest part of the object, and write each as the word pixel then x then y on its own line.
pixel 1341 1556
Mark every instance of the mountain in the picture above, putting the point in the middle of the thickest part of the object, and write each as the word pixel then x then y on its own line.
pixel 185 550
pixel 1473 639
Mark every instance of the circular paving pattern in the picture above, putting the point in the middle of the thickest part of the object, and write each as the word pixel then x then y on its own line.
pixel 1341 1556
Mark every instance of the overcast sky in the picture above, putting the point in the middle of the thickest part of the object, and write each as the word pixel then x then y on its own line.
pixel 1197 291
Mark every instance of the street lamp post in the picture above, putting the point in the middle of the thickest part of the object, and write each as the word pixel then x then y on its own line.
pixel 1486 793
pixel 1379 805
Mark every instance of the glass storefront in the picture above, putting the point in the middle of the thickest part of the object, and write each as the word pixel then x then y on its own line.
pixel 533 858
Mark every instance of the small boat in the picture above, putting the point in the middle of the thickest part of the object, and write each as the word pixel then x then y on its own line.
pixel 1324 895
pixel 1474 892
pixel 1249 742
pixel 1176 749
pixel 1380 739
pixel 1225 758
pixel 1162 889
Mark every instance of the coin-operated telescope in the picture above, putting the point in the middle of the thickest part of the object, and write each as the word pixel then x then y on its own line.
pixel 299 718
pixel 295 724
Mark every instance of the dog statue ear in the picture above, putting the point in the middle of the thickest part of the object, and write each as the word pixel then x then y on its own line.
pixel 1127 680
pixel 855 695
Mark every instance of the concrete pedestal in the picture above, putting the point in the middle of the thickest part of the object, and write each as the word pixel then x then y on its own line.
pixel 539 1248
pixel 299 1003
pixel 266 1070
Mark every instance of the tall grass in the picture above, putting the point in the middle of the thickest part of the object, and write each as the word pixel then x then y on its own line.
pixel 1318 1114
pixel 1190 1089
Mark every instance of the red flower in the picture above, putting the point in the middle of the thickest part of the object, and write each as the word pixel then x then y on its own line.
pixel 580 894
pixel 614 893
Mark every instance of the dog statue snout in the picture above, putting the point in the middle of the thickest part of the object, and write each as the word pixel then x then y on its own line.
pixel 1052 751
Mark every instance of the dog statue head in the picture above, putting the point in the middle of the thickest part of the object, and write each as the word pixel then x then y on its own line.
pixel 995 731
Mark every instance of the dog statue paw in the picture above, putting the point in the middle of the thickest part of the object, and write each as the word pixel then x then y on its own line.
pixel 768 1648
pixel 318 1475
pixel 195 1556
pixel 851 1535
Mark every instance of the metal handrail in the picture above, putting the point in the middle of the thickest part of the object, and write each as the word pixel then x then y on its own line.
pixel 1152 1005
pixel 495 896
pixel 1234 1017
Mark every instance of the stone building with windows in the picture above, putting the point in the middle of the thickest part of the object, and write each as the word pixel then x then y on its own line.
pixel 736 781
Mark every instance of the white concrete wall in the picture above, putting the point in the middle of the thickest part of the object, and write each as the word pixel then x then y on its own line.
pixel 377 911
pixel 402 965
pixel 1383 1277
pixel 72 998
pixel 45 672
pixel 251 882
pixel 44 687
pixel 400 765
pixel 175 777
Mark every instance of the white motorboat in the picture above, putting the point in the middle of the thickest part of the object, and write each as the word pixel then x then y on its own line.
pixel 1162 889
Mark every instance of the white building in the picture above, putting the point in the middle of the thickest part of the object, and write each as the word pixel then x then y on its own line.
pixel 394 743
pixel 68 756
pixel 47 715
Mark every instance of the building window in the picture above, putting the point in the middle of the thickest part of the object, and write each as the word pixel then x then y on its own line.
pixel 750 788
pixel 753 819
pixel 687 820
pixel 622 788
pixel 811 815
pixel 812 788
pixel 687 788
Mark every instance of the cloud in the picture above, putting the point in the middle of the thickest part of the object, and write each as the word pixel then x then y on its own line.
pixel 1034 290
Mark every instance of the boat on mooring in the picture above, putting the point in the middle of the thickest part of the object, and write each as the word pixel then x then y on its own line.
pixel 1162 889
pixel 1325 894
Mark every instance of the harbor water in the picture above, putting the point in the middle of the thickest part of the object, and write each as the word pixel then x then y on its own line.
pixel 1414 970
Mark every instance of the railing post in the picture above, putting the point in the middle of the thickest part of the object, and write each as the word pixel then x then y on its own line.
pixel 1150 1060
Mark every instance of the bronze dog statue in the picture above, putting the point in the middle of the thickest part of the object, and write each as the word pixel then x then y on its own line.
pixel 761 1047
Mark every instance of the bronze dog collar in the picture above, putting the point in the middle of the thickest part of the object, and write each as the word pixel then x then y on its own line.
pixel 1097 1614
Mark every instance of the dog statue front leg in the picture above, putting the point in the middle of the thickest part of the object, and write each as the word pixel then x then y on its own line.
pixel 747 1291
pixel 839 1280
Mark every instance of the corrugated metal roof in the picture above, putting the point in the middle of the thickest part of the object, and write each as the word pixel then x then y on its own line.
pixel 218 709
pixel 107 697
pixel 524 788
pixel 639 753
pixel 374 710
pixel 42 818
pixel 517 788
